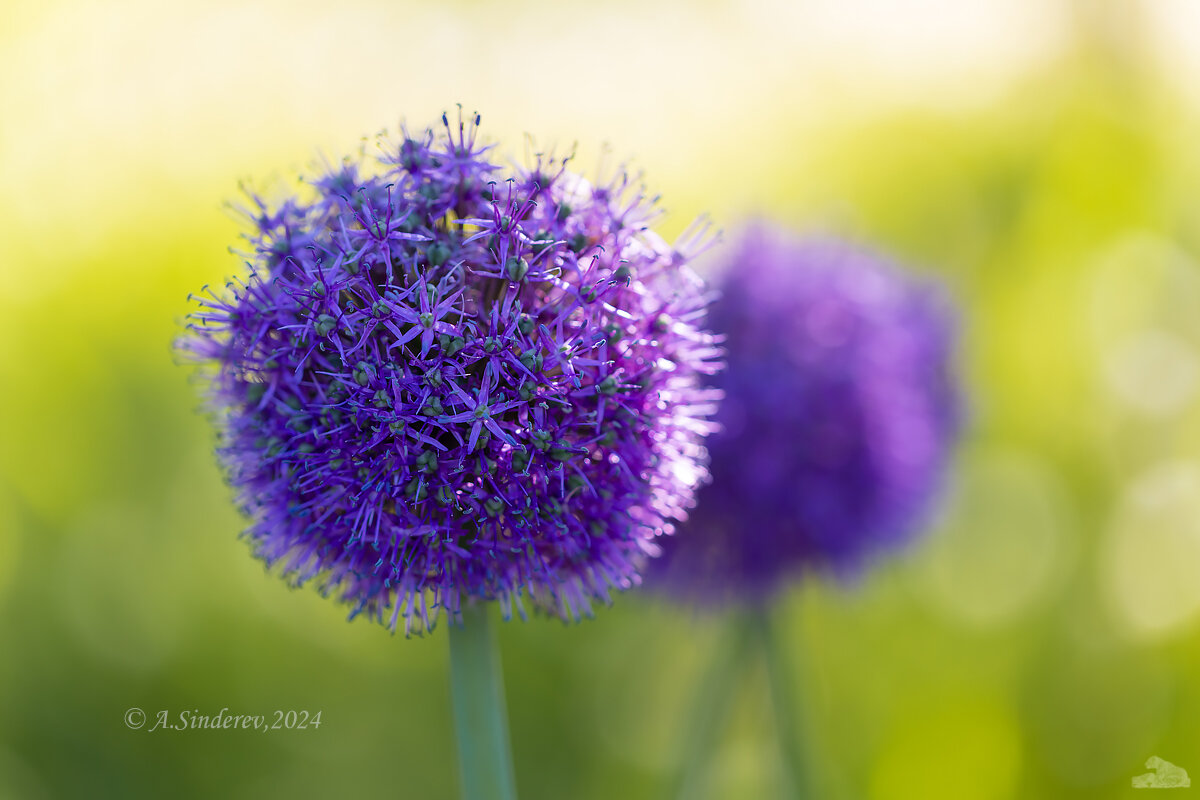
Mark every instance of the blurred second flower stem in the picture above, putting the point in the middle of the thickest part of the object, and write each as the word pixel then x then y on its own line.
pixel 480 718
pixel 789 723
pixel 709 711
pixel 748 635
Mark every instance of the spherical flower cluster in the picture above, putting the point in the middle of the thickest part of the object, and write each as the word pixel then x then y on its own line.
pixel 839 416
pixel 446 382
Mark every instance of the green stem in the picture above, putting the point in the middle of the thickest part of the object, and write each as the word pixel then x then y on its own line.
pixel 708 710
pixel 480 720
pixel 781 678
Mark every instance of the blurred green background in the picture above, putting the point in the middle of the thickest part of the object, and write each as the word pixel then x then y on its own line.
pixel 1039 155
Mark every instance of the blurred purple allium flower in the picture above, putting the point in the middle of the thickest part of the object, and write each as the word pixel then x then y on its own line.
pixel 839 417
pixel 447 381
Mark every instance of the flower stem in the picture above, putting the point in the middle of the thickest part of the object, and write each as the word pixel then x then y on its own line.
pixel 709 708
pixel 480 720
pixel 781 677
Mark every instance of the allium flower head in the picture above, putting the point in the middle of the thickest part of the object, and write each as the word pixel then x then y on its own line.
pixel 445 380
pixel 839 416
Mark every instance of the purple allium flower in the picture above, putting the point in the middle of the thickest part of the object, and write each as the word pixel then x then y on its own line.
pixel 839 417
pixel 446 381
